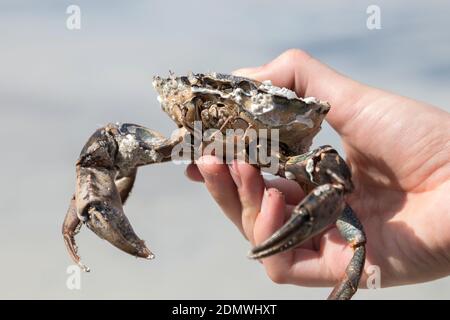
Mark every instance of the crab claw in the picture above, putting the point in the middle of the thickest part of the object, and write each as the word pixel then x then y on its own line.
pixel 100 208
pixel 104 217
pixel 103 186
pixel 314 214
pixel 71 227
pixel 106 171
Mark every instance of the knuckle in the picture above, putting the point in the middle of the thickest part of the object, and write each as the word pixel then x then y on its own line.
pixel 295 55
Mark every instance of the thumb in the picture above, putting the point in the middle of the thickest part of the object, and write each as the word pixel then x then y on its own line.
pixel 307 76
pixel 292 69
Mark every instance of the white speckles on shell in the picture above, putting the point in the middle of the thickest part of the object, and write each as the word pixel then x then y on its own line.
pixel 236 95
pixel 309 168
pixel 173 84
pixel 321 189
pixel 127 145
pixel 192 79
pixel 153 155
pixel 261 103
pixel 289 175
pixel 290 94
pixel 131 152
pixel 284 92
pixel 238 92
pixel 310 100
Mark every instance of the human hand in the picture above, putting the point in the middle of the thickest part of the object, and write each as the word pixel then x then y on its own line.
pixel 399 153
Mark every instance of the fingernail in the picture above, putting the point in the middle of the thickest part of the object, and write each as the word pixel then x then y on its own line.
pixel 269 193
pixel 234 172
pixel 200 178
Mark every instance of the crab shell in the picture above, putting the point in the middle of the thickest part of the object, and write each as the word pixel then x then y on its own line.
pixel 224 101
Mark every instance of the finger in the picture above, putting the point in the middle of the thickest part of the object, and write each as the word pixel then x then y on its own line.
pixel 291 190
pixel 250 187
pixel 272 216
pixel 193 173
pixel 324 267
pixel 222 188
pixel 307 76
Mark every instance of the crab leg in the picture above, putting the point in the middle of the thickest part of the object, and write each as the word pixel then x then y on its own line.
pixel 106 171
pixel 352 231
pixel 324 174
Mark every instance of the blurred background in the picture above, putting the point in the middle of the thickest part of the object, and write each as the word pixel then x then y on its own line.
pixel 58 85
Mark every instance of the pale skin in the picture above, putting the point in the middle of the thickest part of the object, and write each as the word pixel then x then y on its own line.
pixel 399 153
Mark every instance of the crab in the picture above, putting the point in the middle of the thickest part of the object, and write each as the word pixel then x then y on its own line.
pixel 107 166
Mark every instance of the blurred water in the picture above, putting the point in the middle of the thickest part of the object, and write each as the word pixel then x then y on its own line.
pixel 57 86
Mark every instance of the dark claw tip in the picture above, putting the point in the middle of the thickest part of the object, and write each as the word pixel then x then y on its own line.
pixel 145 253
